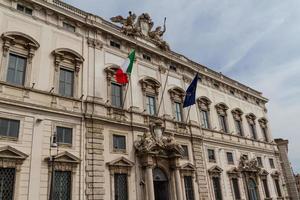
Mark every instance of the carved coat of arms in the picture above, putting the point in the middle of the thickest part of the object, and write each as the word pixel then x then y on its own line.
pixel 142 27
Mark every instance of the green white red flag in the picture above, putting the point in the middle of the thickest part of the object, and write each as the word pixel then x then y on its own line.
pixel 122 73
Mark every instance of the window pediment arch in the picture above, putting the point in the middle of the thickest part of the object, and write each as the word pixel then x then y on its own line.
pixel 221 108
pixel 176 92
pixel 237 113
pixel 251 118
pixel 150 84
pixel 263 121
pixel 120 165
pixel 204 102
pixel 215 171
pixel 11 157
pixel 110 70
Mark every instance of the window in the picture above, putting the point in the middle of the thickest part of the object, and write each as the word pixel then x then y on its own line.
pixel 252 126
pixel 119 142
pixel 217 188
pixel 204 103
pixel 189 190
pixel 221 111
pixel 16 69
pixel 9 127
pixel 116 95
pixel 24 9
pixel 271 163
pixel 236 188
pixel 237 117
pixel 115 44
pixel 238 126
pixel 151 105
pixel 264 128
pixel 259 162
pixel 266 187
pixel 185 151
pixel 277 185
pixel 204 118
pixel 62 185
pixel 178 111
pixel 66 79
pixel 69 27
pixel 246 156
pixel 253 131
pixel 121 191
pixel 146 57
pixel 211 155
pixel 64 135
pixel 230 158
pixel 7 183
pixel 173 68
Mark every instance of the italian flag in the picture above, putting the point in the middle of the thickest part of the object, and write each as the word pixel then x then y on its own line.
pixel 126 69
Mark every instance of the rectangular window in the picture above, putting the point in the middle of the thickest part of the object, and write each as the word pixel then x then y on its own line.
pixel 211 155
pixel 9 127
pixel 178 111
pixel 259 162
pixel 217 188
pixel 64 135
pixel 238 127
pixel 223 123
pixel 264 130
pixel 204 118
pixel 230 158
pixel 236 188
pixel 146 57
pixel 116 95
pixel 115 44
pixel 186 151
pixel 7 183
pixel 69 27
pixel 151 107
pixel 24 9
pixel 16 69
pixel 121 191
pixel 66 79
pixel 188 185
pixel 62 185
pixel 119 142
pixel 277 185
pixel 271 161
pixel 253 131
pixel 266 187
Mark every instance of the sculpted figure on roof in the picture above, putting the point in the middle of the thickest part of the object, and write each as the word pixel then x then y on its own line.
pixel 129 28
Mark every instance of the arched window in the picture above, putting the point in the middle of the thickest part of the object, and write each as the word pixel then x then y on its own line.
pixel 18 52
pixel 67 64
pixel 263 122
pixel 222 114
pixel 204 104
pixel 238 122
pixel 177 95
pixel 252 125
pixel 150 89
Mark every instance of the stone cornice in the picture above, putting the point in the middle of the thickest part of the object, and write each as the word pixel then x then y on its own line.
pixel 93 21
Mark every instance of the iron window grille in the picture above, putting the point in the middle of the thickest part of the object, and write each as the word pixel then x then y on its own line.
pixel 7 183
pixel 62 185
pixel 121 191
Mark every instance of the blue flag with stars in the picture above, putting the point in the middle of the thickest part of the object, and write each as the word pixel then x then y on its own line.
pixel 190 97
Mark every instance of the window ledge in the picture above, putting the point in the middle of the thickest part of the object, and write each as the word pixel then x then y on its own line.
pixel 65 145
pixel 119 151
pixel 8 138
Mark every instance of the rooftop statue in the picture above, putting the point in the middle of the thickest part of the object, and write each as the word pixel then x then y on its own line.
pixel 142 27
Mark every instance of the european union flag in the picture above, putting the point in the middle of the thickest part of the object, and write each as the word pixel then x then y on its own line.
pixel 190 96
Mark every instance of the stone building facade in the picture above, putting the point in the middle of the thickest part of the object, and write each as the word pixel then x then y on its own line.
pixel 68 132
pixel 297 179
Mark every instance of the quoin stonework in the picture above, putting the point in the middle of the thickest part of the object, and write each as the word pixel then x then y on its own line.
pixel 69 131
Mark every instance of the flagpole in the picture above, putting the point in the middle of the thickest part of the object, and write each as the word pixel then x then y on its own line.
pixel 126 91
pixel 188 115
pixel 162 95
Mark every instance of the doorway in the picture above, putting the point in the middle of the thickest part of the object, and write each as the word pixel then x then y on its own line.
pixel 161 184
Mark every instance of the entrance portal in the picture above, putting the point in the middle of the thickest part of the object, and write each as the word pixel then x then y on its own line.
pixel 252 189
pixel 161 186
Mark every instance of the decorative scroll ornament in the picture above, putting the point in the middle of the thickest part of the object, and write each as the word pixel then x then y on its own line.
pixel 142 28
pixel 248 165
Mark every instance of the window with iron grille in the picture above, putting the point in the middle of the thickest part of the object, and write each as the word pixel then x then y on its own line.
pixel 211 155
pixel 121 191
pixel 119 142
pixel 151 107
pixel 236 188
pixel 185 151
pixel 16 69
pixel 64 135
pixel 62 185
pixel 277 185
pixel 178 111
pixel 271 161
pixel 259 162
pixel 266 187
pixel 217 188
pixel 66 81
pixel 9 127
pixel 230 158
pixel 116 95
pixel 7 183
pixel 189 190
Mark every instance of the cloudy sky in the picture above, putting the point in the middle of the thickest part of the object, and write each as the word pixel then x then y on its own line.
pixel 256 42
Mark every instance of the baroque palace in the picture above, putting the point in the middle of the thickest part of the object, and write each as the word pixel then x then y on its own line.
pixel 69 131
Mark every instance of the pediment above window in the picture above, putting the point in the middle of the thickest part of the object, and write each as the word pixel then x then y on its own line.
pixel 150 84
pixel 263 122
pixel 263 173
pixel 176 92
pixel 250 117
pixel 68 58
pixel 8 152
pixel 204 102
pixel 64 157
pixel 221 108
pixel 110 71
pixel 233 172
pixel 215 171
pixel 275 174
pixel 188 167
pixel 121 162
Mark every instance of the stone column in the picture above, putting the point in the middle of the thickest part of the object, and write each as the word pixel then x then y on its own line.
pixel 178 184
pixel 149 183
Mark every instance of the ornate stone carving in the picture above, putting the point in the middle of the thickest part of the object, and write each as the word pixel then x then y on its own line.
pixel 142 28
pixel 248 165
